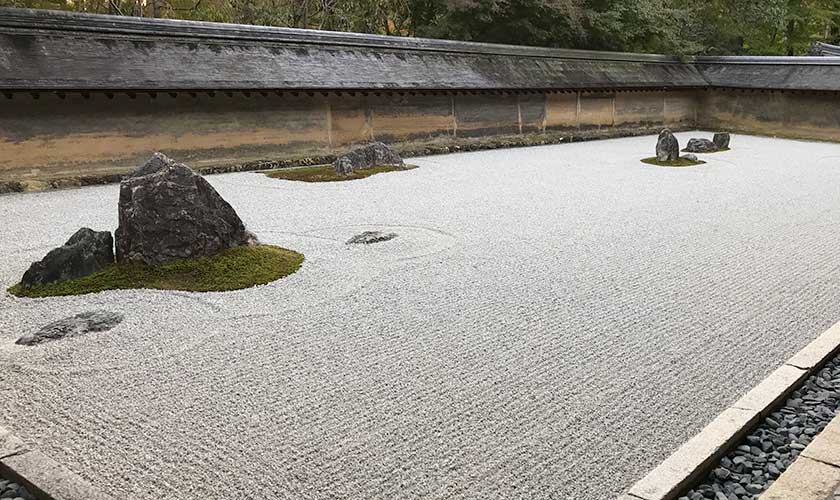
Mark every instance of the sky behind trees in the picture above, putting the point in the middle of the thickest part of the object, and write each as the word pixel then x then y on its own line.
pixel 771 27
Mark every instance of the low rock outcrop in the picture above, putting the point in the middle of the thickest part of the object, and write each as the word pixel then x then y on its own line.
pixel 375 154
pixel 369 237
pixel 94 321
pixel 667 147
pixel 86 252
pixel 700 146
pixel 721 140
pixel 689 157
pixel 168 212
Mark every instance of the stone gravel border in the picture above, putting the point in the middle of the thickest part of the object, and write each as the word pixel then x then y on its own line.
pixel 700 454
pixel 41 476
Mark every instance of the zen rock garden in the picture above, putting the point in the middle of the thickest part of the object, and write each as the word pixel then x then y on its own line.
pixel 175 232
pixel 668 149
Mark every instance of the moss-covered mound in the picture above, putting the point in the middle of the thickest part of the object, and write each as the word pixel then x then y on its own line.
pixel 233 269
pixel 326 173
pixel 681 162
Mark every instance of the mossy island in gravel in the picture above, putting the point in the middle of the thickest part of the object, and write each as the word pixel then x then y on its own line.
pixel 370 159
pixel 233 269
pixel 326 173
pixel 175 233
pixel 679 162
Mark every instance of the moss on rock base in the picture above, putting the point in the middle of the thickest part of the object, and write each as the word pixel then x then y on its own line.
pixel 326 173
pixel 682 162
pixel 233 269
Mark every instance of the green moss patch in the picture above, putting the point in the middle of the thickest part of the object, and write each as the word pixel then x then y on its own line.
pixel 326 173
pixel 233 269
pixel 681 162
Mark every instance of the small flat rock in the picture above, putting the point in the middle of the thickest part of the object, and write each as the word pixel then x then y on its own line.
pixel 92 321
pixel 369 237
pixel 689 157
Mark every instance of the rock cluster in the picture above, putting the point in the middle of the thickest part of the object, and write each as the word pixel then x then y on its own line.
pixel 369 237
pixel 168 212
pixel 750 468
pixel 94 321
pixel 667 147
pixel 14 491
pixel 375 154
pixel 86 252
pixel 719 141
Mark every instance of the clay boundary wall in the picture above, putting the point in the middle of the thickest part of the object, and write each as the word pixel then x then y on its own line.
pixel 58 140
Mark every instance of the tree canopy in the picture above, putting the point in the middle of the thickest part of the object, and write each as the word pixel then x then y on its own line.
pixel 771 27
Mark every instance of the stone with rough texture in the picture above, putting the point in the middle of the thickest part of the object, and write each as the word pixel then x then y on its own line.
pixel 92 321
pixel 700 146
pixel 174 213
pixel 689 157
pixel 721 140
pixel 375 154
pixel 369 237
pixel 667 147
pixel 86 252
pixel 155 164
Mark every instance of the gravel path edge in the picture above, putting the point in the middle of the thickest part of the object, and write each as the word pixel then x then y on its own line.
pixel 42 476
pixel 700 453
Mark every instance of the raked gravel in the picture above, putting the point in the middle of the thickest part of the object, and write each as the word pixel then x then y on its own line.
pixel 550 323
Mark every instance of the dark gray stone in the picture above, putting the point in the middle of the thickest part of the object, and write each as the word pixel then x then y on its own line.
pixel 375 154
pixel 689 157
pixel 93 321
pixel 700 146
pixel 721 140
pixel 667 146
pixel 174 213
pixel 86 252
pixel 369 237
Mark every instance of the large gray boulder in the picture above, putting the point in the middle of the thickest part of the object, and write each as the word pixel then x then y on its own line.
pixel 667 147
pixel 700 146
pixel 86 252
pixel 721 140
pixel 173 213
pixel 375 154
pixel 94 321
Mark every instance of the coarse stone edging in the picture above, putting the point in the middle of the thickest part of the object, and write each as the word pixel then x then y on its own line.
pixel 695 457
pixel 45 478
pixel 815 475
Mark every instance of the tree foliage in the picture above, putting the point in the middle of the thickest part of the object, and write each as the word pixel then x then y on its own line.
pixel 668 26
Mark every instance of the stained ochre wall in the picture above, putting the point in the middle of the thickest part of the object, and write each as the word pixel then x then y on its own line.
pixel 790 114
pixel 73 135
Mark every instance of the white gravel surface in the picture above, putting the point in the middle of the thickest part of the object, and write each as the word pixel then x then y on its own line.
pixel 550 323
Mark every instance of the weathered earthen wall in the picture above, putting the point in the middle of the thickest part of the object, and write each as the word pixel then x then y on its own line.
pixel 55 136
pixel 796 115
